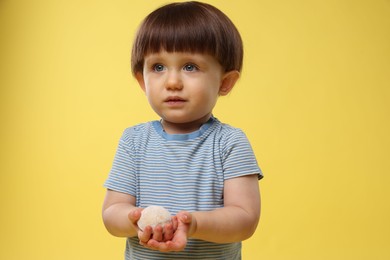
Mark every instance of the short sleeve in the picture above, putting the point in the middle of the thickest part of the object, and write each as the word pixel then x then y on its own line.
pixel 122 177
pixel 238 158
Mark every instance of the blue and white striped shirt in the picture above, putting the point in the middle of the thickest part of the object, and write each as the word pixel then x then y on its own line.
pixel 181 172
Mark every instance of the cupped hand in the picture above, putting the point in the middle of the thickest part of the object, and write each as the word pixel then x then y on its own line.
pixel 178 242
pixel 159 233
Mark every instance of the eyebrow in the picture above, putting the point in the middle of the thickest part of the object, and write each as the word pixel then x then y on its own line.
pixel 194 57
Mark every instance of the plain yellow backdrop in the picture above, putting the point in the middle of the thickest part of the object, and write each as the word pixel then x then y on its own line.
pixel 314 100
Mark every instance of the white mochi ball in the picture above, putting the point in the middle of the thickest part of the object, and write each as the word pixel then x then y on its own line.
pixel 153 216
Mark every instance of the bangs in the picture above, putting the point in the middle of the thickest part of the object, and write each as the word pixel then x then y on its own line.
pixel 178 31
pixel 187 27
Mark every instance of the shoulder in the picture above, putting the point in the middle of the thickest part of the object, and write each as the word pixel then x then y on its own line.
pixel 229 133
pixel 136 133
pixel 137 129
pixel 237 155
pixel 232 139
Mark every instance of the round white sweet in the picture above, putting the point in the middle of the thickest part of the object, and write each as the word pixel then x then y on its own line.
pixel 153 216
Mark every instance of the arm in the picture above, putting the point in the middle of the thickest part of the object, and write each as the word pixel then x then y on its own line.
pixel 239 217
pixel 236 221
pixel 120 215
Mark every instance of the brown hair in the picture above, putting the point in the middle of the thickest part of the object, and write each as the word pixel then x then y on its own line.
pixel 188 27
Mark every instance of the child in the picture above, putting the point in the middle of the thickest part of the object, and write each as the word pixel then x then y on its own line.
pixel 204 172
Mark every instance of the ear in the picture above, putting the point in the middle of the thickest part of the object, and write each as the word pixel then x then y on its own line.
pixel 228 81
pixel 140 78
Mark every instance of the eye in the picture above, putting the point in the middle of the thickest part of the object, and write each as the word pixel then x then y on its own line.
pixel 158 67
pixel 190 67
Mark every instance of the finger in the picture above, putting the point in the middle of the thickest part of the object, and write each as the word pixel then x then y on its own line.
pixel 168 232
pixel 174 223
pixel 134 215
pixel 176 245
pixel 145 235
pixel 159 246
pixel 184 217
pixel 158 233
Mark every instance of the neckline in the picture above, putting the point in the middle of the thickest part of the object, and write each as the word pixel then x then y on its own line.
pixel 182 137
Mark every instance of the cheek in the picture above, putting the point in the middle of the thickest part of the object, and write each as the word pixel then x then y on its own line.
pixel 149 89
pixel 210 86
pixel 150 93
pixel 207 96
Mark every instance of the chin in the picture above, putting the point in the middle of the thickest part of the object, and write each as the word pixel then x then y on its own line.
pixel 182 118
pixel 176 120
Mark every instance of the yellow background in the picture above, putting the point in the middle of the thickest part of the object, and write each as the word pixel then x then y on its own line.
pixel 313 100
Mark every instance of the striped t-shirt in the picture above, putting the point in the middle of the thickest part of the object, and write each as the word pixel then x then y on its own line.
pixel 181 172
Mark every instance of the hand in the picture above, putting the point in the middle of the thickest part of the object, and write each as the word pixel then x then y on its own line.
pixel 134 216
pixel 158 233
pixel 186 226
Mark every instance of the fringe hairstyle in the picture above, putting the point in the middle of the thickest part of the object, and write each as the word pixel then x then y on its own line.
pixel 188 27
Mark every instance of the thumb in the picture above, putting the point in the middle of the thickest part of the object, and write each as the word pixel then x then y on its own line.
pixel 185 217
pixel 134 215
pixel 188 221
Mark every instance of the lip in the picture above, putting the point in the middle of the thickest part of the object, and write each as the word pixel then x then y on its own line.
pixel 174 100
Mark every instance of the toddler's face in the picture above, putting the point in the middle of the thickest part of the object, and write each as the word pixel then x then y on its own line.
pixel 181 87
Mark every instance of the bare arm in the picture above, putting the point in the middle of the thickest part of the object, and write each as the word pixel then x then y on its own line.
pixel 120 214
pixel 239 217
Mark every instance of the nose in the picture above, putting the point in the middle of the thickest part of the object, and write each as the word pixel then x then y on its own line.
pixel 174 81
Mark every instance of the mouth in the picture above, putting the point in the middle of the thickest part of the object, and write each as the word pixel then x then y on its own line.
pixel 174 100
